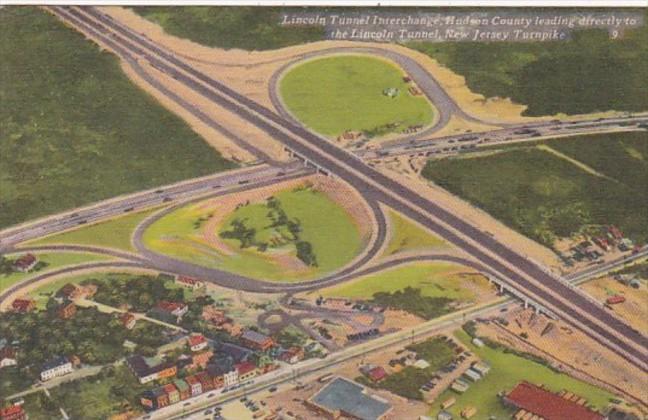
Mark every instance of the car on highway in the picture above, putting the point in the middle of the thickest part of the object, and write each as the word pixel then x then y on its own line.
pixel 272 389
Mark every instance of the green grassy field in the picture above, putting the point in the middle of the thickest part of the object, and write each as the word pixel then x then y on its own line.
pixel 248 28
pixel 406 236
pixel 507 370
pixel 434 279
pixel 335 94
pixel 545 196
pixel 54 260
pixel 323 223
pixel 75 129
pixel 114 233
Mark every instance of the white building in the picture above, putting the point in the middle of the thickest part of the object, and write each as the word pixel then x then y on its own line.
pixel 230 378
pixel 58 366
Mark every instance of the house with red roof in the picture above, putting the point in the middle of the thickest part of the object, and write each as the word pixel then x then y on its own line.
pixel 172 392
pixel 194 385
pixel 292 355
pixel 23 305
pixel 13 412
pixel 128 320
pixel 189 282
pixel 197 342
pixel 256 340
pixel 377 374
pixel 246 370
pixel 25 263
pixel 543 403
pixel 201 360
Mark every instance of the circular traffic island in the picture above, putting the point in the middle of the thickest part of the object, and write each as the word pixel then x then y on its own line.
pixel 353 96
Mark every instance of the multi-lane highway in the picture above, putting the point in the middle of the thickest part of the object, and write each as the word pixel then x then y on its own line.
pixel 515 270
pixel 167 194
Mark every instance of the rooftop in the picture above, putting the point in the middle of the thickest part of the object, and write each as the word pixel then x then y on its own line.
pixel 548 405
pixel 254 336
pixel 349 397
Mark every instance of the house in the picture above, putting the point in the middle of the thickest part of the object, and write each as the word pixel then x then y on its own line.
pixel 7 357
pixel 246 371
pixel 615 233
pixel 172 392
pixel 189 282
pixel 200 360
pixel 183 388
pixel 67 310
pixel 197 342
pixel 543 403
pixel 169 311
pixel 206 382
pixel 477 342
pixel 377 374
pixel 73 291
pixel 343 398
pixel 421 364
pixel 25 263
pixel 292 355
pixel 13 412
pixel 148 369
pixel 23 305
pixel 194 385
pixel 128 320
pixel 57 366
pixel 256 340
pixel 154 399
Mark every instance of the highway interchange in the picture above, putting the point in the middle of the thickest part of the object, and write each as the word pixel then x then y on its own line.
pixel 519 275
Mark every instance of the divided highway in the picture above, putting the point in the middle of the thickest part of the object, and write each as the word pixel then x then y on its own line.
pixel 516 271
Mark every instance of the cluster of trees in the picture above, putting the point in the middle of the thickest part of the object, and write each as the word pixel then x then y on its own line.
pixel 287 229
pixel 139 293
pixel 95 337
pixel 410 300
pixel 574 77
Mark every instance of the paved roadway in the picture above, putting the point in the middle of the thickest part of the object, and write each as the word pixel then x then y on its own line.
pixel 518 272
pixel 124 204
pixel 523 132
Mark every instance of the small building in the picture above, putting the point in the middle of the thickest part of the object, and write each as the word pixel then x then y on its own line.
pixel 292 355
pixel 57 366
pixel 481 367
pixel 13 412
pixel 197 342
pixel 172 392
pixel 377 374
pixel 459 386
pixel 25 263
pixel 183 388
pixel 448 403
pixel 478 342
pixel 421 364
pixel 201 360
pixel 128 320
pixel 206 382
pixel 176 309
pixel 150 369
pixel 246 371
pixel 67 310
pixel 7 357
pixel 194 385
pixel 344 398
pixel 23 305
pixel 189 283
pixel 256 340
pixel 472 374
pixel 468 412
pixel 444 415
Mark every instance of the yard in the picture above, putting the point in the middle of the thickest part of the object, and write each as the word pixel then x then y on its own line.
pixel 52 260
pixel 334 94
pixel 322 223
pixel 555 189
pixel 508 369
